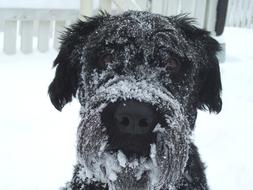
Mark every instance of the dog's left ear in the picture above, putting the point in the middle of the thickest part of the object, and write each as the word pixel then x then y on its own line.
pixel 209 76
pixel 210 89
pixel 68 65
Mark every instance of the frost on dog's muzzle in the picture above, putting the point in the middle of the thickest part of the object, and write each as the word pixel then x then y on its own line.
pixel 168 155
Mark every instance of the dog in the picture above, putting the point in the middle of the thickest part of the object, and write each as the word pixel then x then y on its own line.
pixel 140 79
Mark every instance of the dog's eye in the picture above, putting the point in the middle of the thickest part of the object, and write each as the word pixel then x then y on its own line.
pixel 168 61
pixel 104 61
pixel 172 65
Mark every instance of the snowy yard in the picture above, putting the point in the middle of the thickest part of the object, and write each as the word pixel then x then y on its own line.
pixel 37 143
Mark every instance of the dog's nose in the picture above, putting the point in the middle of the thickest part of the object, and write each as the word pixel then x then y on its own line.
pixel 134 118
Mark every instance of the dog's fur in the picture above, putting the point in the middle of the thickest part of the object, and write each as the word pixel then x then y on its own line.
pixel 163 61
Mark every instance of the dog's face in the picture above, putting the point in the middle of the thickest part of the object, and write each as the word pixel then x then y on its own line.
pixel 140 79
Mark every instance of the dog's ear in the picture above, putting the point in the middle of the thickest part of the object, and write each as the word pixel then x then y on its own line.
pixel 209 75
pixel 68 65
pixel 210 89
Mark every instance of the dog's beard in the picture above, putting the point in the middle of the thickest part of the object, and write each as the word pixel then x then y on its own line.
pixel 168 155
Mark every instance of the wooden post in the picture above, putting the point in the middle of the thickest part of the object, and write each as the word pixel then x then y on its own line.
pixel 157 6
pixel 166 7
pixel 59 27
pixel 210 18
pixel 105 5
pixel 124 5
pixel 173 7
pixel 200 11
pixel 86 8
pixel 10 36
pixel 43 35
pixel 26 36
pixel 188 7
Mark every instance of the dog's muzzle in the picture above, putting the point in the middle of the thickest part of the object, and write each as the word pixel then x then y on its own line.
pixel 135 114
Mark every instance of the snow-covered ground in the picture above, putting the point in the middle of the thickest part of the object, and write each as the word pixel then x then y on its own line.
pixel 37 143
pixel 225 140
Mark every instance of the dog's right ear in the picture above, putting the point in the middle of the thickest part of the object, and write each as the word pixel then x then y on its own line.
pixel 68 65
pixel 210 87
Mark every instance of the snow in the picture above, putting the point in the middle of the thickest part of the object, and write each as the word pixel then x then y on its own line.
pixel 37 143
pixel 225 140
pixel 122 159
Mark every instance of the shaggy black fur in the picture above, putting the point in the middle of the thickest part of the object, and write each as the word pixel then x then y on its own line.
pixel 193 179
pixel 197 77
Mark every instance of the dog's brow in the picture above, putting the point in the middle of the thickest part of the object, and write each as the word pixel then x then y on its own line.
pixel 160 31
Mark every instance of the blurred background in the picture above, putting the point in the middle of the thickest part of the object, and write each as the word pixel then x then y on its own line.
pixel 37 143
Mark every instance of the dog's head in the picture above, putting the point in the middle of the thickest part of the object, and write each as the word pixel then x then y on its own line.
pixel 140 78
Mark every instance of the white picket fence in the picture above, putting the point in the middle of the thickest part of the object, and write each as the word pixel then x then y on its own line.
pixel 240 13
pixel 24 25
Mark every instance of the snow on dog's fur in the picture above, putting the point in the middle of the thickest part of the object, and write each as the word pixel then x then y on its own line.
pixel 169 155
pixel 163 61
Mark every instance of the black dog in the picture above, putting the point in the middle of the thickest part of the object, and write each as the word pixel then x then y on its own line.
pixel 140 78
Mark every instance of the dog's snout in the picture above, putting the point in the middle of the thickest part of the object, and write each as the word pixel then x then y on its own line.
pixel 130 126
pixel 135 118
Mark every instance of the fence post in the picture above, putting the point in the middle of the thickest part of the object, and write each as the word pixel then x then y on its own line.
pixel 166 7
pixel 173 7
pixel 26 36
pixel 210 18
pixel 188 7
pixel 157 6
pixel 58 29
pixel 86 8
pixel 10 36
pixel 43 35
pixel 105 5
pixel 124 5
pixel 200 11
